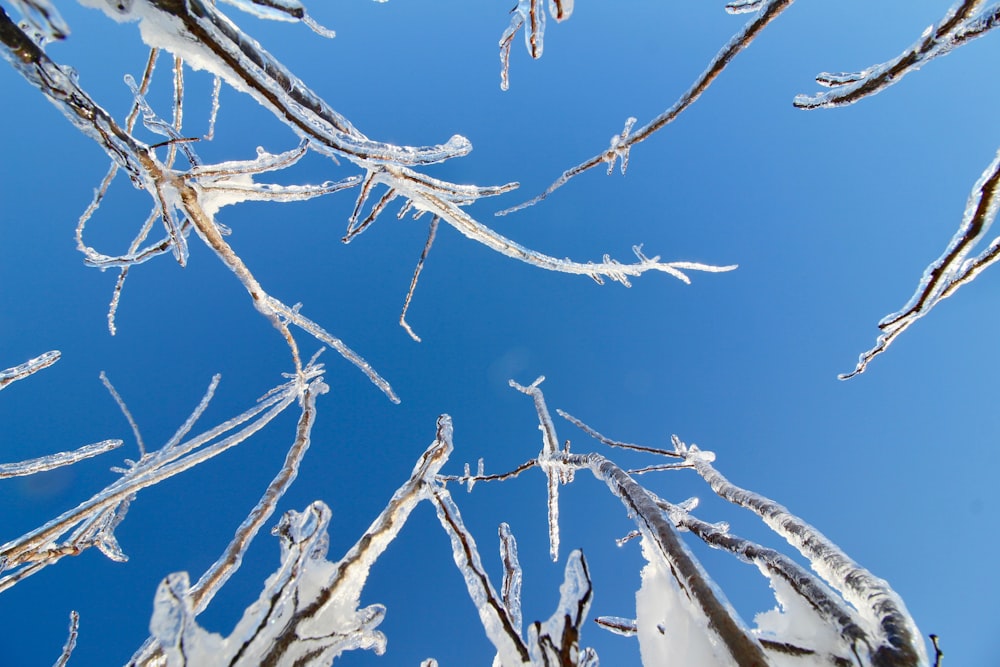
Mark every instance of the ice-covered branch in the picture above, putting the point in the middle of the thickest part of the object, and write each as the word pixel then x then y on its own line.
pixel 780 569
pixel 67 652
pixel 21 371
pixel 528 14
pixel 173 190
pixel 205 588
pixel 622 143
pixel 666 546
pixel 963 23
pixel 952 269
pixel 53 461
pixel 899 642
pixel 442 200
pixel 556 472
pixel 206 38
pixel 92 523
pixel 499 623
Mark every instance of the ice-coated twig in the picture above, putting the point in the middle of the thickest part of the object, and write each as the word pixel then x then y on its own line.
pixel 308 612
pixel 626 627
pixel 195 415
pixel 92 522
pixel 496 620
pixel 964 22
pixel 899 642
pixel 472 480
pixel 510 587
pixel 613 443
pixel 431 232
pixel 548 460
pixel 125 411
pixel 952 269
pixel 529 13
pixel 31 366
pixel 722 620
pixel 53 461
pixel 622 143
pixel 74 628
pixel 219 573
pixel 43 18
pixel 281 10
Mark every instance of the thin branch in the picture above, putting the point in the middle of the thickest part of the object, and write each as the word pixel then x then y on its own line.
pixel 622 143
pixel 952 269
pixel 493 614
pixel 938 653
pixel 959 26
pixel 613 443
pixel 53 461
pixel 416 275
pixel 99 515
pixel 219 573
pixel 31 366
pixel 499 477
pixel 125 411
pixel 74 627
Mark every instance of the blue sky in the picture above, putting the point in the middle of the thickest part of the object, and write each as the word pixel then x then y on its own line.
pixel 831 215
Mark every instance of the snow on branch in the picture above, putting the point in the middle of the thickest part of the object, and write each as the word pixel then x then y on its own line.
pixel 868 625
pixel 308 612
pixel 309 609
pixel 898 641
pixel 964 22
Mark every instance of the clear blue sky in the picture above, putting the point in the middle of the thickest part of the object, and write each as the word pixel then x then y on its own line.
pixel 831 215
